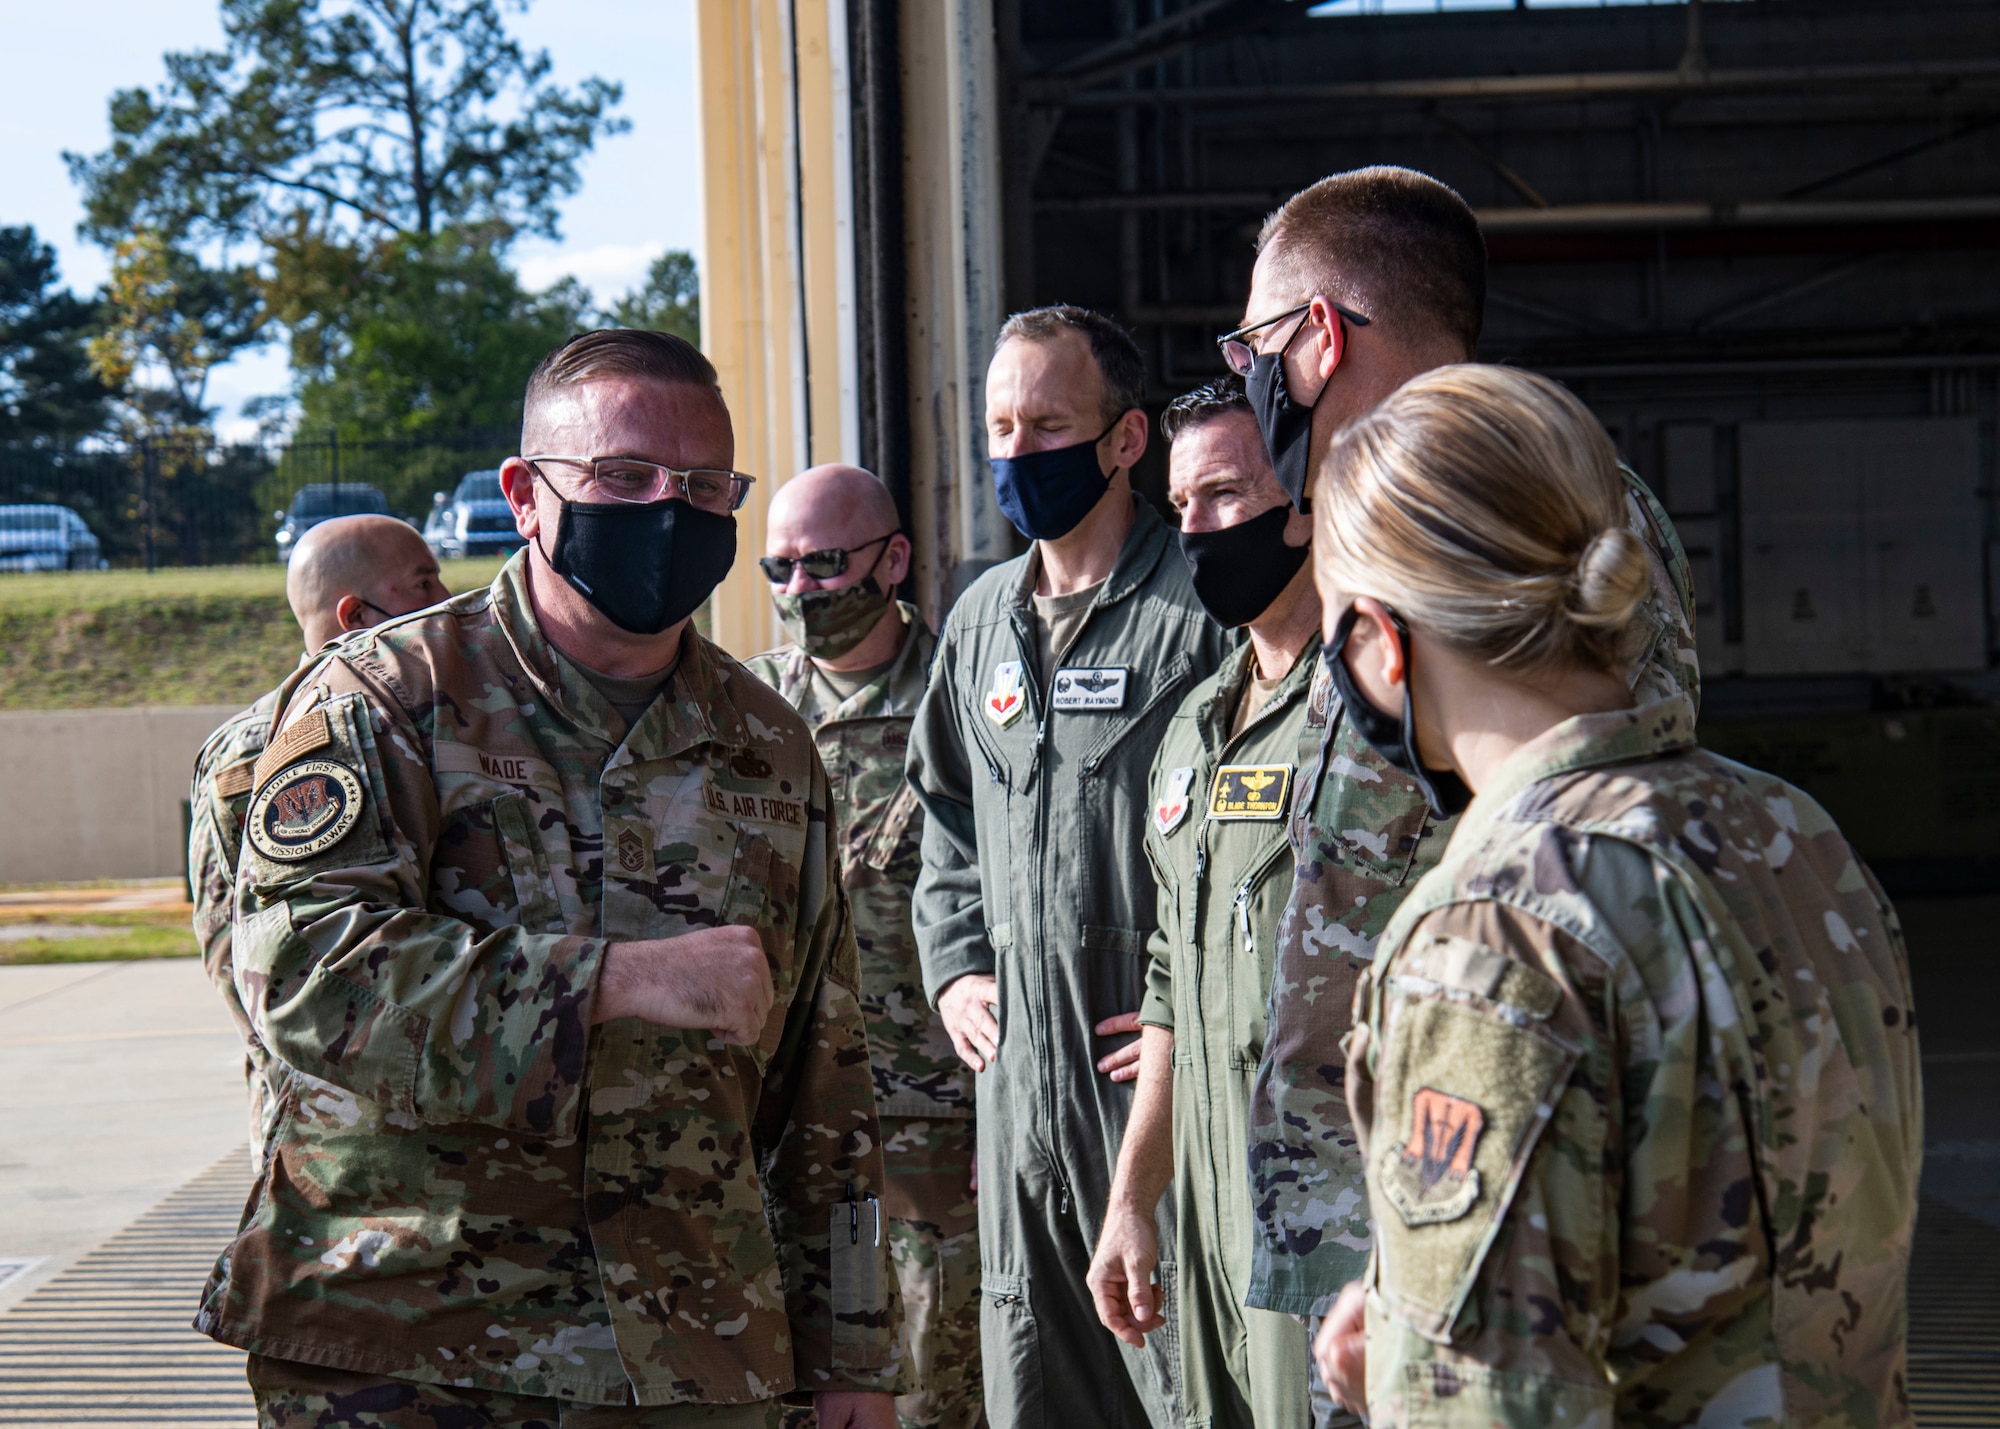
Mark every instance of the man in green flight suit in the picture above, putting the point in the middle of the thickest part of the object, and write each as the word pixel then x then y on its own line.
pixel 1055 676
pixel 539 904
pixel 855 667
pixel 1221 788
pixel 1363 281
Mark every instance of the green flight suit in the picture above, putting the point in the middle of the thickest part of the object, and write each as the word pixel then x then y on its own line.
pixel 1034 871
pixel 1216 840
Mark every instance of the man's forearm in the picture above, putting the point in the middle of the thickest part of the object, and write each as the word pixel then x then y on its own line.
pixel 1146 1157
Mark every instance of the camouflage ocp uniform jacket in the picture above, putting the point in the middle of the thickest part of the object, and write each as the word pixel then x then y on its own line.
pixel 1361 837
pixel 467 1182
pixel 864 741
pixel 1636 1079
pixel 218 797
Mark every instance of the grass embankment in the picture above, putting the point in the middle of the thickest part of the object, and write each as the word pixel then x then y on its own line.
pixel 147 933
pixel 204 636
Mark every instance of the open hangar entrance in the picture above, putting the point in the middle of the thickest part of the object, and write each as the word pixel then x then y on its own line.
pixel 1758 238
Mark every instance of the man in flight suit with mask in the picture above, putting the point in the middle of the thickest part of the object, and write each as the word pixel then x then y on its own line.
pixel 1361 282
pixel 1055 676
pixel 855 668
pixel 539 901
pixel 1221 788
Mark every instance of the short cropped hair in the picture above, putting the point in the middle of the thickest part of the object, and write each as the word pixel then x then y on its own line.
pixel 1204 404
pixel 617 352
pixel 1398 246
pixel 1117 356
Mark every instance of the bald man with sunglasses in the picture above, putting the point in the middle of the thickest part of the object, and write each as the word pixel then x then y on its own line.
pixel 855 665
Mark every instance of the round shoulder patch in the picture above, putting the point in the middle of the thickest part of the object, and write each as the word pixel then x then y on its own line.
pixel 304 810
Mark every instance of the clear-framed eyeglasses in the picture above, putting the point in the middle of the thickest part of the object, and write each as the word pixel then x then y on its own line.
pixel 1241 356
pixel 630 480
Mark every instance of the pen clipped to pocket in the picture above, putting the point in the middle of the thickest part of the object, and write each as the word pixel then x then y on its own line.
pixel 858 1264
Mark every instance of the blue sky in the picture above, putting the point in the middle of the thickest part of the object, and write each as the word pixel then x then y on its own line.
pixel 641 191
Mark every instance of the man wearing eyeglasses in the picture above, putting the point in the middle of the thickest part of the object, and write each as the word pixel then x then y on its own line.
pixel 1362 281
pixel 1055 676
pixel 539 901
pixel 855 667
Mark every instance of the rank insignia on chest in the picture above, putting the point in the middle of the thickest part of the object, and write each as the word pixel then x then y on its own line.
pixel 1429 1177
pixel 1100 690
pixel 304 810
pixel 1174 801
pixel 1009 695
pixel 1250 791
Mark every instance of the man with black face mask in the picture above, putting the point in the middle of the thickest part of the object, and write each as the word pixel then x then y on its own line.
pixel 1363 281
pixel 1054 679
pixel 1221 788
pixel 539 903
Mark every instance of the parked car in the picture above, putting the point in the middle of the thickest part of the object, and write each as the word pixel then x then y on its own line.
pixel 322 501
pixel 474 520
pixel 47 538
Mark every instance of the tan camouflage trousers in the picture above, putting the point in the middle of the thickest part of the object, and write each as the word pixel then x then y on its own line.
pixel 934 1245
pixel 293 1395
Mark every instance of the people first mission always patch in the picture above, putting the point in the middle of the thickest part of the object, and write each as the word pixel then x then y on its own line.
pixel 304 811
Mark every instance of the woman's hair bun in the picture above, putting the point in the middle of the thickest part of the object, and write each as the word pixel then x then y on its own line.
pixel 1611 580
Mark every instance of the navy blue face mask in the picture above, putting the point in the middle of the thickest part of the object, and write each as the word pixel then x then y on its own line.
pixel 1394 739
pixel 1045 494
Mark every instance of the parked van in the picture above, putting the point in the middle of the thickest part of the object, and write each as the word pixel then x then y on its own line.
pixel 47 538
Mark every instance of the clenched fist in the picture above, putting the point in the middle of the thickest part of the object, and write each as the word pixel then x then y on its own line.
pixel 713 978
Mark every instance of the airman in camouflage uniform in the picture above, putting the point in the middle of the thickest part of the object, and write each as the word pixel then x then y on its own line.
pixel 922 1090
pixel 1636 1081
pixel 1361 838
pixel 347 574
pixel 480 1179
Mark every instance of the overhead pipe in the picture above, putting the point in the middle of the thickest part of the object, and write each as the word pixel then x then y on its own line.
pixel 1597 217
pixel 1534 88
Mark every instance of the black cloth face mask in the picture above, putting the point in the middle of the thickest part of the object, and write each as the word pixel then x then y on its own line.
pixel 642 564
pixel 1394 739
pixel 1238 571
pixel 1286 425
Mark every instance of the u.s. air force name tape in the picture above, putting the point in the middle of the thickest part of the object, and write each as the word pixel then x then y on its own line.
pixel 1250 791
pixel 304 811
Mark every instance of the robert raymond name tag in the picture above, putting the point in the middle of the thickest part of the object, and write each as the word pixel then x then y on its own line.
pixel 1250 791
pixel 1087 689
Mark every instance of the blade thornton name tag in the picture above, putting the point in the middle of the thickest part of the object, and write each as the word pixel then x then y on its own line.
pixel 1088 689
pixel 1250 791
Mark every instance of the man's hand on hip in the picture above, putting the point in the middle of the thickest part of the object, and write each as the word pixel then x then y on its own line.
pixel 966 1005
pixel 1121 1065
pixel 852 1409
pixel 1121 1273
pixel 713 978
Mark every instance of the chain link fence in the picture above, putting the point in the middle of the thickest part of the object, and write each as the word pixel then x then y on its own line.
pixel 196 503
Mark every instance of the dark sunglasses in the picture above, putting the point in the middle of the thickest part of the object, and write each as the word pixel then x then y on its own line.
pixel 820 565
pixel 1241 356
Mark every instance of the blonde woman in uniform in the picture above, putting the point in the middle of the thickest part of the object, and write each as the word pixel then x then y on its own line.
pixel 1635 1069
